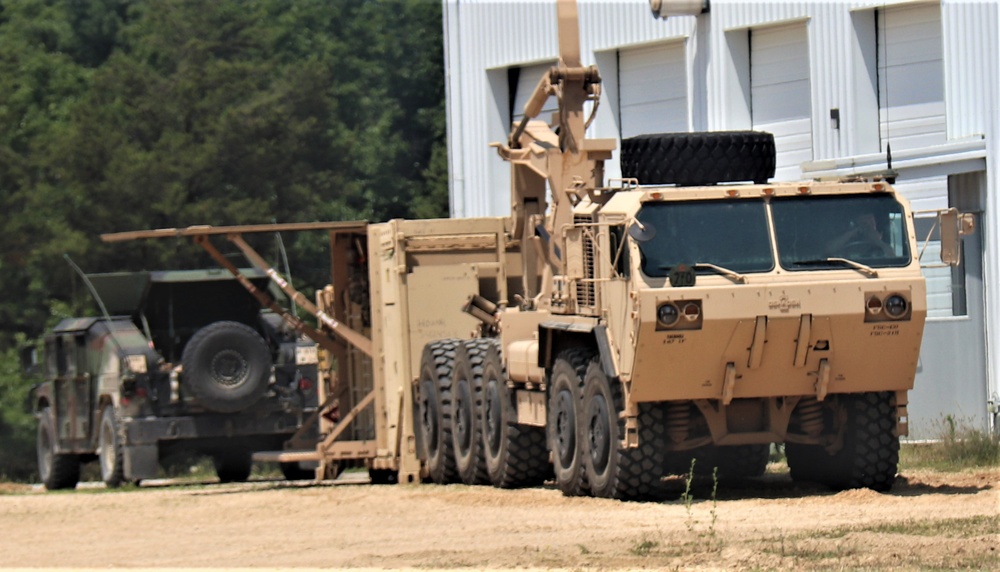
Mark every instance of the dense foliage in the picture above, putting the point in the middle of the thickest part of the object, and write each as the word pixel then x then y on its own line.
pixel 122 115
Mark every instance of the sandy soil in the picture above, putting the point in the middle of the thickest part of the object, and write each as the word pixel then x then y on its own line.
pixel 929 520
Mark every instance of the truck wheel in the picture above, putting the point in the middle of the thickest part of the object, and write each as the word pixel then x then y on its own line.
pixel 565 395
pixel 699 158
pixel 869 457
pixel 742 461
pixel 433 415
pixel 612 470
pixel 515 454
pixel 57 470
pixel 233 465
pixel 227 366
pixel 466 412
pixel 109 449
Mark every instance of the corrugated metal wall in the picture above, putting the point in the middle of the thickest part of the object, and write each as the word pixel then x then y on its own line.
pixel 486 37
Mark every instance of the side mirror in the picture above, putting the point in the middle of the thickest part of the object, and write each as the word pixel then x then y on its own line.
pixel 641 232
pixel 954 225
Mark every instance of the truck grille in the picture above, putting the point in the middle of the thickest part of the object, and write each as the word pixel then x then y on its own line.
pixel 585 295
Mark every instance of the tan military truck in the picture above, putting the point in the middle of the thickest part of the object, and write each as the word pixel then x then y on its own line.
pixel 608 335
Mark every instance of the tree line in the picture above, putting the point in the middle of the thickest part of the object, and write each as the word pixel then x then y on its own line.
pixel 121 115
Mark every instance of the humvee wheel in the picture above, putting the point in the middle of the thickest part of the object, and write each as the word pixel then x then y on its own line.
pixel 433 411
pixel 565 393
pixel 57 470
pixel 514 453
pixel 466 412
pixel 227 366
pixel 233 465
pixel 869 457
pixel 109 449
pixel 612 470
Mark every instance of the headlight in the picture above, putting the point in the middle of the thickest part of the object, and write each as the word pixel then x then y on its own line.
pixel 874 305
pixel 667 314
pixel 692 312
pixel 896 306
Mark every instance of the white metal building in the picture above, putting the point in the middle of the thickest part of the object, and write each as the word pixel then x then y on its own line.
pixel 838 83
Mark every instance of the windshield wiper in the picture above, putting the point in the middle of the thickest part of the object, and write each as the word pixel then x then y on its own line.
pixel 731 274
pixel 866 270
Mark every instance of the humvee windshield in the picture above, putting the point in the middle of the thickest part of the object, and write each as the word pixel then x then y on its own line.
pixel 731 234
pixel 866 229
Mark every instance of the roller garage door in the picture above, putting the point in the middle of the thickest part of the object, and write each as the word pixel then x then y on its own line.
pixel 780 94
pixel 911 77
pixel 653 89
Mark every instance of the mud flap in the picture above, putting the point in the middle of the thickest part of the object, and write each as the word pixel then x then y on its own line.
pixel 140 462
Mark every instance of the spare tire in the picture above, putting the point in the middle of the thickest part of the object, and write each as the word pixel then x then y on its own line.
pixel 705 158
pixel 227 366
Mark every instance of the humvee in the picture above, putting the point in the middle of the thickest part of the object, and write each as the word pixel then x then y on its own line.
pixel 183 361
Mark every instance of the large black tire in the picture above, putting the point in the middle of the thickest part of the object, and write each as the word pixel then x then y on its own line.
pixel 515 454
pixel 564 419
pixel 612 470
pixel 743 461
pixel 233 465
pixel 227 366
pixel 726 462
pixel 699 158
pixel 466 412
pixel 433 411
pixel 57 470
pixel 109 449
pixel 869 457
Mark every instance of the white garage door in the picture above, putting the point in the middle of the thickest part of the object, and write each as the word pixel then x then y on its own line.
pixel 526 82
pixel 780 94
pixel 653 89
pixel 911 77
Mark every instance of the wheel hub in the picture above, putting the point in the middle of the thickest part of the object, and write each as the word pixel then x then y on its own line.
pixel 229 368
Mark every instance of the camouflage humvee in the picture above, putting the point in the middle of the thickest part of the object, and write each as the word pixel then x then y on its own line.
pixel 187 361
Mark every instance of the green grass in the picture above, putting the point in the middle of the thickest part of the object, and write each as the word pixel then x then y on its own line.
pixel 957 447
pixel 644 547
pixel 835 547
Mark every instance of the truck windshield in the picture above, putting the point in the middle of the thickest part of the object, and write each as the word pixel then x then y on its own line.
pixel 731 234
pixel 822 232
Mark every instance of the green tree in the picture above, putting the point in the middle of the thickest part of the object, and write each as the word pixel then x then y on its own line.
pixel 130 114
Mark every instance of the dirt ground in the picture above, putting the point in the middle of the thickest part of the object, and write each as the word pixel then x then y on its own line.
pixel 929 520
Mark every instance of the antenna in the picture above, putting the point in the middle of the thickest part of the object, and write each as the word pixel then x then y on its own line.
pixel 97 298
pixel 885 63
pixel 90 287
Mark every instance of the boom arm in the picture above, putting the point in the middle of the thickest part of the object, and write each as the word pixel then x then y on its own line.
pixel 572 164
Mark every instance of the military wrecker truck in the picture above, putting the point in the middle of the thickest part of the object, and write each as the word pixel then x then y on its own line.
pixel 606 335
pixel 182 361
